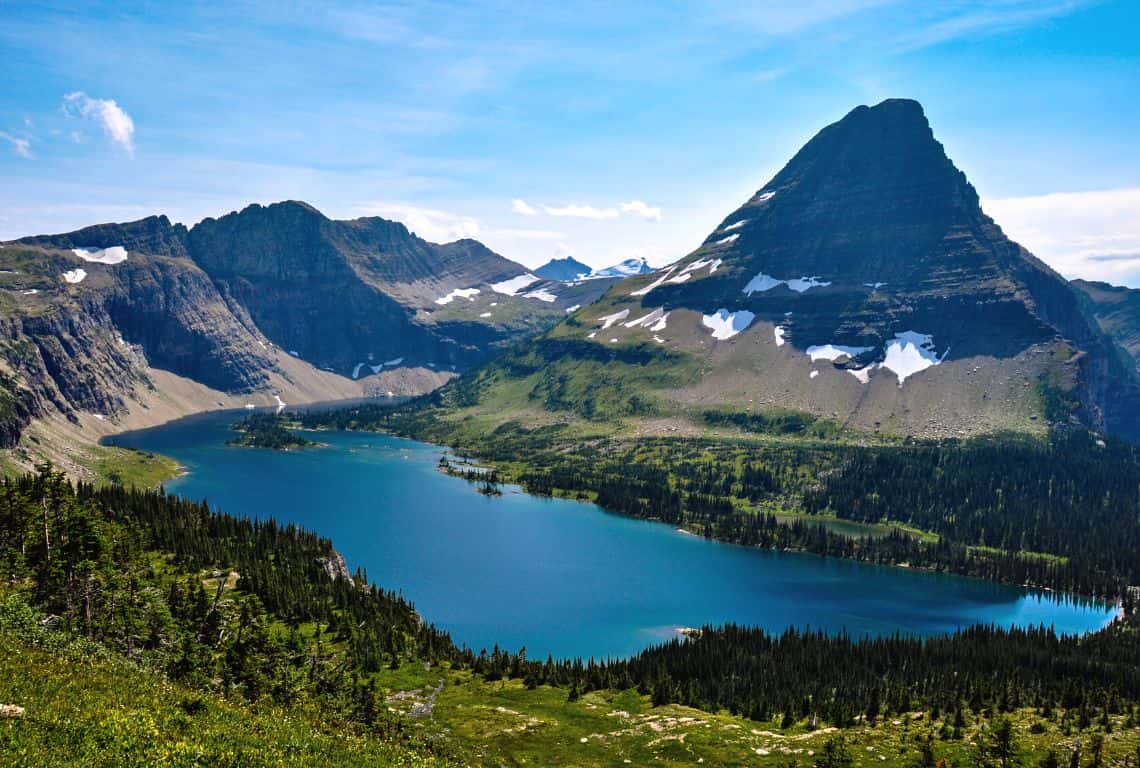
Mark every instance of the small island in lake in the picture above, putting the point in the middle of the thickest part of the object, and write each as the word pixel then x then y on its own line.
pixel 266 430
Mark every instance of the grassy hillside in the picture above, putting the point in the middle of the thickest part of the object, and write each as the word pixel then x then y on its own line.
pixel 85 706
pixel 141 629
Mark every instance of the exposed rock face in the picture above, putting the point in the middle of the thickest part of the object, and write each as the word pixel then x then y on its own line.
pixel 894 236
pixel 1117 311
pixel 865 283
pixel 83 315
pixel 563 270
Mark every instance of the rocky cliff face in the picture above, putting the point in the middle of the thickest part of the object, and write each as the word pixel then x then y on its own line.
pixel 1117 311
pixel 864 283
pixel 79 335
pixel 84 315
pixel 351 295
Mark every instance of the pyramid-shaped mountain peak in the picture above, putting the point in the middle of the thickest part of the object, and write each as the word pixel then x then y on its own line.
pixel 878 161
pixel 868 247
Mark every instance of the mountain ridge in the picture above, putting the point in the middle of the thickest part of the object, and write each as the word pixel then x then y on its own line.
pixel 274 301
pixel 863 283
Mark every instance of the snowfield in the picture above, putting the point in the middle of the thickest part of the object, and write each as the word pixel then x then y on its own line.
pixel 763 282
pixel 542 295
pixel 905 355
pixel 656 319
pixel 458 293
pixel 725 324
pixel 654 284
pixel 833 352
pixel 911 352
pixel 116 254
pixel 515 284
pixel 74 276
pixel 609 320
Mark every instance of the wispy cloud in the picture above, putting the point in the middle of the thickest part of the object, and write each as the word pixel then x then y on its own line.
pixel 431 224
pixel 440 226
pixel 21 146
pixel 638 208
pixel 576 211
pixel 1094 235
pixel 971 19
pixel 523 207
pixel 117 124
pixel 579 211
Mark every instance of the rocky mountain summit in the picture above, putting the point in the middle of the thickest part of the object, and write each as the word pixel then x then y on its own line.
pixel 564 270
pixel 277 299
pixel 862 284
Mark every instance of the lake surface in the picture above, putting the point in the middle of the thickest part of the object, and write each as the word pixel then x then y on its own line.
pixel 559 576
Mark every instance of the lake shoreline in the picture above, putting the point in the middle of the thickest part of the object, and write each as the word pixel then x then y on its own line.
pixel 374 449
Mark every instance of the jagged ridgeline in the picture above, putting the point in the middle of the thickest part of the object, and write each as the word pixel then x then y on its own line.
pixel 863 284
pixel 278 300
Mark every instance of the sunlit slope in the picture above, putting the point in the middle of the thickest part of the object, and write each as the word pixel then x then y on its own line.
pixel 863 285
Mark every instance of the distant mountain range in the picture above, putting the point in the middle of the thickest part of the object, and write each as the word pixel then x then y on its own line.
pixel 864 285
pixel 143 320
pixel 568 270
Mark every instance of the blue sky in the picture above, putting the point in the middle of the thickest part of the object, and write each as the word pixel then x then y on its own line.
pixel 599 129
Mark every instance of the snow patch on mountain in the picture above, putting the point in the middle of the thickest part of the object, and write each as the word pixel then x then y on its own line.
pixel 458 293
pixel 609 320
pixel 763 282
pixel 725 324
pixel 656 283
pixel 515 284
pixel 541 294
pixel 909 353
pixel 116 254
pixel 833 352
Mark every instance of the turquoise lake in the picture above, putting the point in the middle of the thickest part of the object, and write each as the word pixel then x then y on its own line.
pixel 558 576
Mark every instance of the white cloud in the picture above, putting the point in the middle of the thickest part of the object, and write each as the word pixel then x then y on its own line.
pixel 117 124
pixel 22 147
pixel 439 226
pixel 431 224
pixel 523 207
pixel 638 208
pixel 575 211
pixel 1094 235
